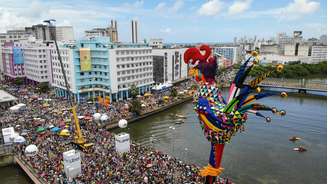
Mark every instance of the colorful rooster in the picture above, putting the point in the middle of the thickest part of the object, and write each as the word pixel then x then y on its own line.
pixel 221 119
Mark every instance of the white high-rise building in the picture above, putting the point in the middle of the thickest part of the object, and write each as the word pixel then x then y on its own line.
pixel 57 78
pixel 156 43
pixel 36 61
pixel 64 33
pixel 168 65
pixel 134 31
pixel 130 65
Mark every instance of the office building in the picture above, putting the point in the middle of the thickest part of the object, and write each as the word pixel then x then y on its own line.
pixel 229 53
pixel 64 33
pixel 130 64
pixel 319 53
pixel 134 31
pixel 36 61
pixel 168 65
pixel 57 78
pixel 13 61
pixel 269 49
pixel 40 32
pixel 156 43
pixel 297 49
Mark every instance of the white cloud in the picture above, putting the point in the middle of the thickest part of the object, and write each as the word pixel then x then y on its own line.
pixel 210 8
pixel 160 7
pixel 177 5
pixel 163 7
pixel 298 8
pixel 166 30
pixel 239 6
pixel 292 11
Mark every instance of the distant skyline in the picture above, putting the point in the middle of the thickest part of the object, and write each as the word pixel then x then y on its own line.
pixel 183 21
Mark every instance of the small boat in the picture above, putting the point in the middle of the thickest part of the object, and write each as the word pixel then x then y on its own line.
pixel 300 149
pixel 294 138
pixel 180 116
pixel 179 121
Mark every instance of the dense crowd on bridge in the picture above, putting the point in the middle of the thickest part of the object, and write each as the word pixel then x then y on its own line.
pixel 101 164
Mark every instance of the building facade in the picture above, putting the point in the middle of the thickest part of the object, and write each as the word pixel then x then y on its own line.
pixel 319 53
pixel 130 64
pixel 168 65
pixel 110 31
pixel 13 61
pixel 64 33
pixel 36 62
pixel 156 43
pixel 57 78
pixel 229 53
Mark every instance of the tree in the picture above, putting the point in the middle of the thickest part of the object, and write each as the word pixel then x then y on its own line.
pixel 174 92
pixel 134 91
pixel 43 87
pixel 135 106
pixel 19 81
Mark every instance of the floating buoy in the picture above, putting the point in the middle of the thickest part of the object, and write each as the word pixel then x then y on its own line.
pixel 283 94
pixel 279 67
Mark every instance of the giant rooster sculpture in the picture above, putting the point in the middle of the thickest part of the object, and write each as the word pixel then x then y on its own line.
pixel 220 119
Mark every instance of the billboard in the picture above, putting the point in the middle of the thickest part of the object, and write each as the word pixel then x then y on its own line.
pixel 18 56
pixel 85 59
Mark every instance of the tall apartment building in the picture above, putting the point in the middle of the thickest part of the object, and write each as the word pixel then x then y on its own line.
pixel 64 33
pixel 40 32
pixel 134 31
pixel 36 61
pixel 319 53
pixel 13 61
pixel 168 65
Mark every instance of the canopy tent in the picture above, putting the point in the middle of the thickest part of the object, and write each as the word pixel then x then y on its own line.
pixel 55 129
pixel 147 94
pixel 40 129
pixel 64 132
pixel 31 150
pixel 166 97
pixel 19 139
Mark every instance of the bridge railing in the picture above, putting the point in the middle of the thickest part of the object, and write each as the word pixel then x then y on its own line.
pixel 296 83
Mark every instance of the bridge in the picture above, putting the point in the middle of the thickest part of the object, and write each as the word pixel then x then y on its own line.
pixel 296 85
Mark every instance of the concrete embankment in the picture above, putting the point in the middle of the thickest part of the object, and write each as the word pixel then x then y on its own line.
pixel 29 171
pixel 163 108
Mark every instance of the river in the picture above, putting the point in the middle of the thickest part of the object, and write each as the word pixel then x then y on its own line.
pixel 261 154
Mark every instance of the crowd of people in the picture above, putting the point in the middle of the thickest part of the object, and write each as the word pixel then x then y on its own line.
pixel 101 163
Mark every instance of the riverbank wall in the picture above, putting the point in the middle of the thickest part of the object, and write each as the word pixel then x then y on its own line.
pixel 163 108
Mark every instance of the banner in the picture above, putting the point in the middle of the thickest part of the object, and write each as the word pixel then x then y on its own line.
pixel 85 59
pixel 18 56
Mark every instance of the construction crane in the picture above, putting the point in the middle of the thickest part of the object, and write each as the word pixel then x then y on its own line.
pixel 78 137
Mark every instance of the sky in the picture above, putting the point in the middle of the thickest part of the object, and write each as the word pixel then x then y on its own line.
pixel 183 21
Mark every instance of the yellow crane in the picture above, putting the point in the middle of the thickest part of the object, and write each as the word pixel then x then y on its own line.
pixel 78 137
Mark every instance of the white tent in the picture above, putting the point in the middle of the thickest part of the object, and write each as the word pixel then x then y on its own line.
pixel 31 150
pixel 104 117
pixel 96 116
pixel 123 123
pixel 19 139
